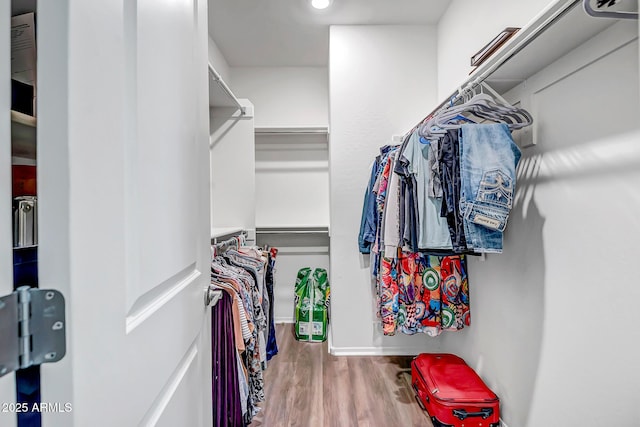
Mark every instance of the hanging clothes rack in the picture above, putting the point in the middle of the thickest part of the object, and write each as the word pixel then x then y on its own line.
pixel 522 39
pixel 213 295
pixel 281 131
pixel 215 78
pixel 293 230
pixel 224 233
pixel 231 243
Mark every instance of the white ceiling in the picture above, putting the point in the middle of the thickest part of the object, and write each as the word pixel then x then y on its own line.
pixel 276 33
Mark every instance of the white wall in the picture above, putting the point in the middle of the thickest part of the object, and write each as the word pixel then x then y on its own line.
pixel 292 175
pixel 232 168
pixel 288 263
pixel 467 26
pixel 284 96
pixel 292 181
pixel 295 166
pixel 218 61
pixel 382 82
pixel 554 318
pixel 291 170
pixel 294 253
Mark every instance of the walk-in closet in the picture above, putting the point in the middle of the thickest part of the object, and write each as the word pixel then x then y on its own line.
pixel 318 213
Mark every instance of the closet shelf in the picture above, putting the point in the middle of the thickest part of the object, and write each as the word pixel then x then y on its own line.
pixel 541 43
pixel 23 135
pixel 292 166
pixel 23 119
pixel 291 130
pixel 304 250
pixel 535 46
pixel 292 229
pixel 18 248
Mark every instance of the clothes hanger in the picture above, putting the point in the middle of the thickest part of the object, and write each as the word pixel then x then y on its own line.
pixel 433 127
pixel 428 129
pixel 523 118
pixel 487 107
pixel 450 117
pixel 482 105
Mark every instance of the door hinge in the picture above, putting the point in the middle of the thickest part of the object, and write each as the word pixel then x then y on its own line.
pixel 32 328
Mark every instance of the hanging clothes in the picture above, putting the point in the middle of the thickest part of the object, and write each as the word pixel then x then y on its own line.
pixel 426 205
pixel 227 407
pixel 488 161
pixel 272 345
pixel 420 293
pixel 408 282
pixel 449 160
pixel 244 274
pixel 416 164
pixel 369 222
pixel 447 196
pixel 446 192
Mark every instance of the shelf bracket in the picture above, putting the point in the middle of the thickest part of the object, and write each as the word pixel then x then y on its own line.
pixel 601 10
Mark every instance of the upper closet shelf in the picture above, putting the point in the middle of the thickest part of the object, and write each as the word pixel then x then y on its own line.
pixel 292 130
pixel 23 135
pixel 293 229
pixel 220 95
pixel 557 30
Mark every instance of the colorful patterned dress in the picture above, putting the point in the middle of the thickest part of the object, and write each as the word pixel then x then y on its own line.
pixel 420 293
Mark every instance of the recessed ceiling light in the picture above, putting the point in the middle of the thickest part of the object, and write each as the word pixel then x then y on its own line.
pixel 320 4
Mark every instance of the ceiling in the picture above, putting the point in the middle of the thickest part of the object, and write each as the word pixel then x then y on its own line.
pixel 278 33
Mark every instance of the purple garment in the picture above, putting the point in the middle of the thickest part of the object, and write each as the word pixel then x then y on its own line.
pixel 227 410
pixel 272 345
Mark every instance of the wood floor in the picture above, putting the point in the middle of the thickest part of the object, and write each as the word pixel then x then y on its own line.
pixel 305 386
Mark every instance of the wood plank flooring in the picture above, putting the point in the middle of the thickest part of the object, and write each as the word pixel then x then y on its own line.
pixel 305 386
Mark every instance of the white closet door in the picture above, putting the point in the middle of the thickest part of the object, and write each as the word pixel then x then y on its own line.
pixel 124 209
pixel 7 382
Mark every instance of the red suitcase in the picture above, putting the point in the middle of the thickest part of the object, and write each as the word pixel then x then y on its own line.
pixel 452 393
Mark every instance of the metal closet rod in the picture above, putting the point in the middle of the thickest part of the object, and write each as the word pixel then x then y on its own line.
pixel 230 240
pixel 292 230
pixel 505 56
pixel 225 88
pixel 292 131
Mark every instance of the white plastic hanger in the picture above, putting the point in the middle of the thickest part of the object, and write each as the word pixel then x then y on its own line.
pixel 481 105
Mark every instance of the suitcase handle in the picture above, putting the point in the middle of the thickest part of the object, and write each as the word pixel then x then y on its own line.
pixel 461 414
pixel 420 402
pixel 418 394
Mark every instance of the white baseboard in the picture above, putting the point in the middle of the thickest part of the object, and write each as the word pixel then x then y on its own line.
pixel 374 351
pixel 283 320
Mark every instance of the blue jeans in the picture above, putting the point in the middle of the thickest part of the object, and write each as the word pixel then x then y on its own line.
pixel 488 160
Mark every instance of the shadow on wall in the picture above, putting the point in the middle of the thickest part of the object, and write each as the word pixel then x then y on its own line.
pixel 365 264
pixel 604 157
pixel 218 117
pixel 507 293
